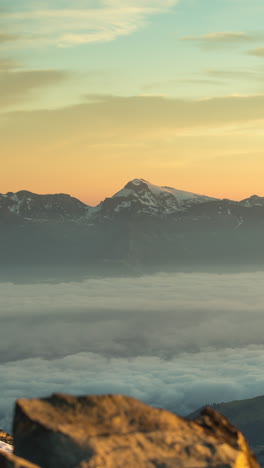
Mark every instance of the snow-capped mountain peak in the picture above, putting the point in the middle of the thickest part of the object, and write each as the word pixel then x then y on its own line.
pixel 139 185
pixel 142 197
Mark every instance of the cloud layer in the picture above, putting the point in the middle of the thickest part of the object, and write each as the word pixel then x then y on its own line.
pixel 176 341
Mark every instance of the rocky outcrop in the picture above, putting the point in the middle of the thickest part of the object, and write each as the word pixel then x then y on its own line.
pixel 247 415
pixel 6 445
pixel 5 437
pixel 114 431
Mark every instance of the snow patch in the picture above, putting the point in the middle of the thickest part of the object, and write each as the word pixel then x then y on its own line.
pixel 123 193
pixel 121 206
pixel 240 221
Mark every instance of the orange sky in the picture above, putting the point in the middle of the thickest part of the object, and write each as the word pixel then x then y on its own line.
pixel 92 150
pixel 86 105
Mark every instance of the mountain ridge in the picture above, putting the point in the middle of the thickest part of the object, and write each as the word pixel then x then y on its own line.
pixel 138 196
pixel 141 225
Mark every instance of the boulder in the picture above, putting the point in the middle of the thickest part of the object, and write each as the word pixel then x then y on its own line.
pixel 114 431
pixel 5 437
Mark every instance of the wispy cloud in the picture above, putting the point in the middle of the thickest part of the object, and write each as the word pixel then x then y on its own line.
pixel 259 52
pixel 7 64
pixel 66 26
pixel 209 77
pixel 5 37
pixel 183 81
pixel 221 39
pixel 239 74
pixel 17 85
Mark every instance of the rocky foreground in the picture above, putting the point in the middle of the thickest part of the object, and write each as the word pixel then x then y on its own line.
pixel 7 438
pixel 115 431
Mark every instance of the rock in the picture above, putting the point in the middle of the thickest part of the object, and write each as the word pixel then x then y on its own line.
pixel 7 460
pixel 7 438
pixel 114 431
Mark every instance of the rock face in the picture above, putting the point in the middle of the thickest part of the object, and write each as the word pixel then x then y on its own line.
pixel 115 431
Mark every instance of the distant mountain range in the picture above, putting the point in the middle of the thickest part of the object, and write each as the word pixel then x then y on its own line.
pixel 138 198
pixel 142 224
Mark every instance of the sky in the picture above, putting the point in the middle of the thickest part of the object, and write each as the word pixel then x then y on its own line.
pixel 95 93
pixel 163 339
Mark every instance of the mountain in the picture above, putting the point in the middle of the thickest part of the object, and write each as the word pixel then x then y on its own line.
pixel 140 197
pixel 253 201
pixel 248 416
pixel 143 225
pixel 33 207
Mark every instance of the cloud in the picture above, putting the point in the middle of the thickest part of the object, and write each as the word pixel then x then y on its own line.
pixel 259 52
pixel 212 77
pixel 199 81
pixel 243 74
pixel 5 37
pixel 7 64
pixel 101 22
pixel 108 115
pixel 220 39
pixel 19 85
pixel 163 339
pixel 181 385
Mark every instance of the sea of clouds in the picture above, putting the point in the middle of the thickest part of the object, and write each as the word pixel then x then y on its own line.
pixel 173 340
